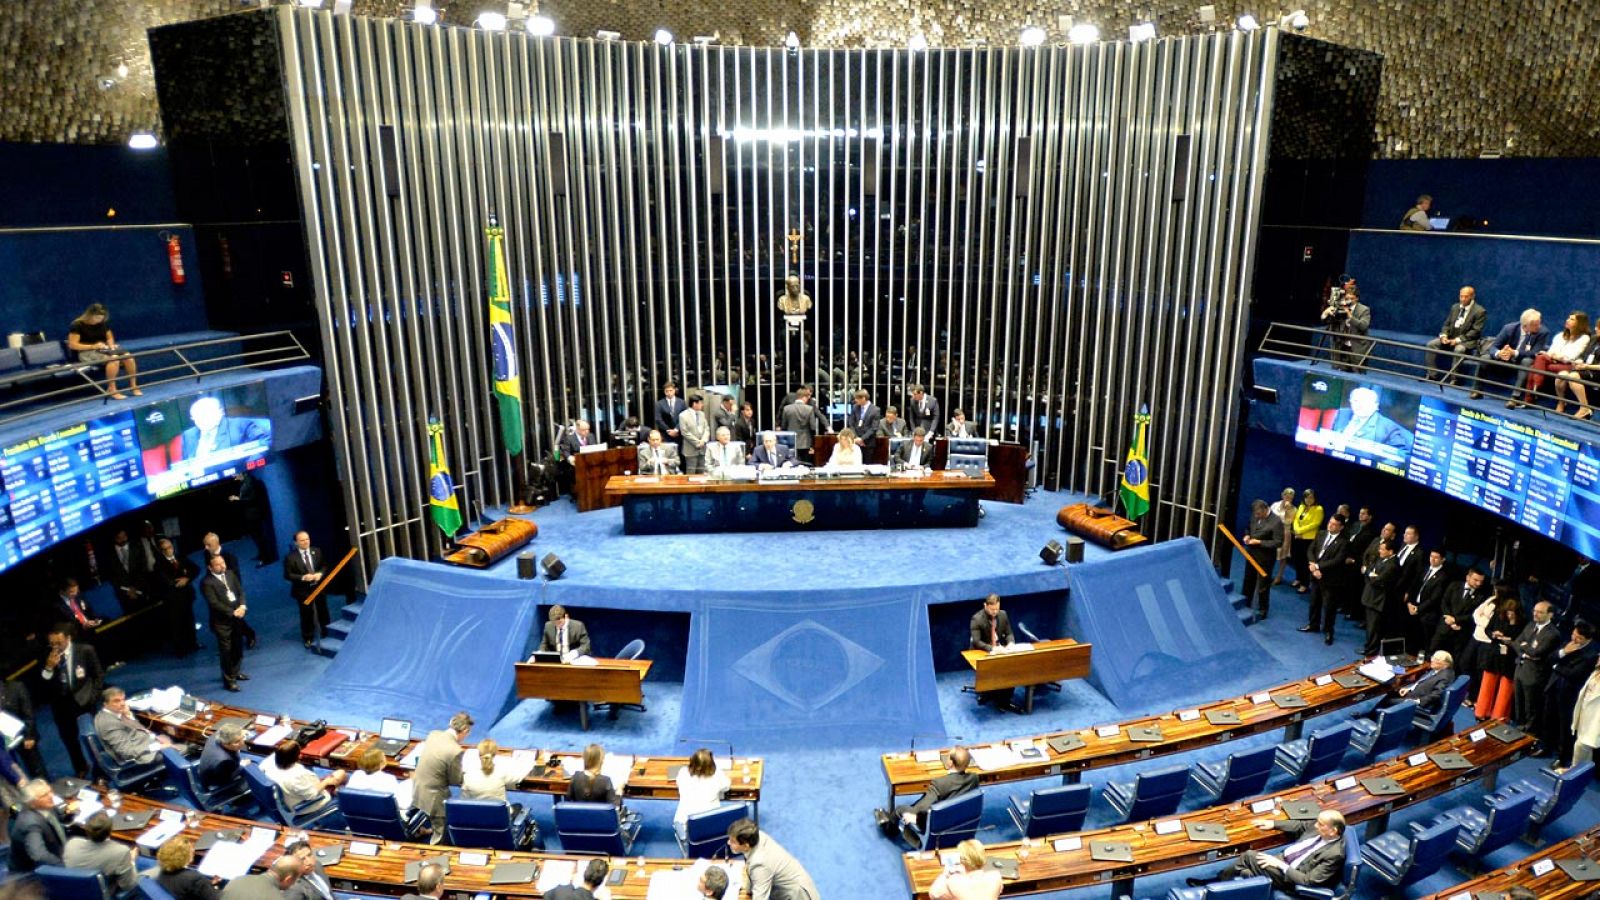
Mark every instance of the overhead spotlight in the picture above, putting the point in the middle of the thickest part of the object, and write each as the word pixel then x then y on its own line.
pixel 1248 22
pixel 663 37
pixel 1207 14
pixel 1032 36
pixel 142 140
pixel 1144 31
pixel 541 26
pixel 705 40
pixel 424 13
pixel 1298 20
pixel 792 41
pixel 122 70
pixel 604 35
pixel 917 42
pixel 1084 33
pixel 311 4
pixel 492 21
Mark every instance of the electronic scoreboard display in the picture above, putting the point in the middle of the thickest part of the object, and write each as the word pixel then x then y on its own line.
pixel 62 483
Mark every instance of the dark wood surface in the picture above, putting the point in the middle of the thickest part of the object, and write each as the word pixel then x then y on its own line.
pixel 1008 464
pixel 1054 660
pixel 649 485
pixel 608 681
pixel 1044 868
pixel 590 471
pixel 1555 884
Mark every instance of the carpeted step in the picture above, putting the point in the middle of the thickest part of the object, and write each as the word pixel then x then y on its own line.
pixel 1246 615
pixel 329 646
pixel 340 628
pixel 351 610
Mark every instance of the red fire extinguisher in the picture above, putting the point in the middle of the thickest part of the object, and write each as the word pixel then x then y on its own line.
pixel 175 259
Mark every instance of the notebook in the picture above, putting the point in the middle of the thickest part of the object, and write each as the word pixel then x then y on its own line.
pixel 132 821
pixel 514 873
pixel 1144 733
pixel 1288 701
pixel 393 736
pixel 329 855
pixel 1222 717
pixel 1301 810
pixel 1065 743
pixel 1111 851
pixel 1580 869
pixel 1382 786
pixel 1209 832
pixel 1506 734
pixel 1352 680
pixel 1450 760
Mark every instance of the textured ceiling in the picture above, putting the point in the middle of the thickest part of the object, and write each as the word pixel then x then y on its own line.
pixel 1460 77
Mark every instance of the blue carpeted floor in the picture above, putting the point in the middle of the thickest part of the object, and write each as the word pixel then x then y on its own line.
pixel 818 801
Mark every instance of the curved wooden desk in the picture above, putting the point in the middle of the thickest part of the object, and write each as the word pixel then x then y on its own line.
pixel 1181 731
pixel 607 681
pixel 1553 884
pixel 1046 662
pixel 1044 868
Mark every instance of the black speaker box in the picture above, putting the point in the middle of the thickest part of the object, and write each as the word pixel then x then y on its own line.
pixel 1074 549
pixel 553 566
pixel 527 567
pixel 1051 554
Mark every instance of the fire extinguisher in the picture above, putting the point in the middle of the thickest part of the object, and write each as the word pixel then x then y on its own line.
pixel 175 259
pixel 94 564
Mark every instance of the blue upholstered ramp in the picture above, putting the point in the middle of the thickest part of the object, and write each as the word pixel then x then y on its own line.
pixel 432 640
pixel 846 668
pixel 1161 625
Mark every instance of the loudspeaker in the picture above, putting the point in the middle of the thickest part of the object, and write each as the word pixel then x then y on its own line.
pixel 1051 554
pixel 526 567
pixel 714 164
pixel 1180 168
pixel 1074 549
pixel 553 567
pixel 871 155
pixel 558 164
pixel 1024 167
pixel 390 154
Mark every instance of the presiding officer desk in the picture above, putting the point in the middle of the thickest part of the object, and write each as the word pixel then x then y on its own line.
pixel 1060 862
pixel 605 681
pixel 1538 873
pixel 652 778
pixel 1181 731
pixel 383 872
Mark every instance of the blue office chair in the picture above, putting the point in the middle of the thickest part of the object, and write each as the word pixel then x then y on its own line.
pixel 149 889
pixel 61 883
pixel 1149 795
pixel 1051 810
pixel 1554 794
pixel 1435 725
pixel 1346 887
pixel 631 650
pixel 1502 819
pixel 706 833
pixel 1258 887
pixel 270 799
pixel 1387 731
pixel 1308 759
pixel 950 822
pixel 594 828
pixel 1410 854
pixel 1242 774
pixel 184 776
pixel 124 776
pixel 488 824
pixel 376 815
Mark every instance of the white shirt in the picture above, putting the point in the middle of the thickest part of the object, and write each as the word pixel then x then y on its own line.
pixel 696 795
pixel 381 782
pixel 845 455
pixel 298 783
pixel 1563 350
pixel 508 772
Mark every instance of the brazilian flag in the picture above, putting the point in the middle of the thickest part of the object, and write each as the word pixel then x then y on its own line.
pixel 1136 473
pixel 502 334
pixel 441 490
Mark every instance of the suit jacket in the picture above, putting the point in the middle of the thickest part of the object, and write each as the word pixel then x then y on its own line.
pixel 228 559
pixel 215 592
pixel 294 568
pixel 928 418
pixel 15 700
pixel 667 414
pixel 1429 689
pixel 1360 539
pixel 187 884
pixel 125 741
pixel 77 682
pixel 961 429
pixel 802 419
pixel 695 430
pixel 577 637
pixel 744 431
pixel 1568 674
pixel 864 420
pixel 1536 648
pixel 37 839
pixel 775 874
pixel 1330 553
pixel 1269 531
pixel 234 432
pixel 1378 428
pixel 980 629
pixel 569 892
pixel 109 858
pixel 950 784
pixel 897 428
pixel 63 612
pixel 778 457
pixel 1321 868
pixel 438 767
pixel 259 886
pixel 669 460
pixel 596 789
pixel 1470 328
pixel 1429 592
pixel 165 578
pixel 1527 345
pixel 119 575
pixel 722 418
pixel 305 888
pixel 217 766
pixel 718 457
pixel 1457 602
pixel 925 459
pixel 1412 568
pixel 1383 581
pixel 571 445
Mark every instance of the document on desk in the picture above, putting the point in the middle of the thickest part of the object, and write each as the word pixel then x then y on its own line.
pixel 230 859
pixel 555 873
pixel 993 757
pixel 272 736
pixel 583 661
pixel 617 767
pixel 155 837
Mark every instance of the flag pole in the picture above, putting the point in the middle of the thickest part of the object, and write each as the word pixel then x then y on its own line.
pixel 507 370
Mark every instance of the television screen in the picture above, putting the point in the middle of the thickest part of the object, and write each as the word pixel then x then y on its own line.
pixel 1356 421
pixel 202 438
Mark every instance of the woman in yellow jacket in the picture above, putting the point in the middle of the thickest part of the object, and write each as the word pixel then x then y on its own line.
pixel 1307 522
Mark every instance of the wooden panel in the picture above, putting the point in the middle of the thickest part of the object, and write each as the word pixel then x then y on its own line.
pixel 1008 465
pixel 1048 661
pixel 592 470
pixel 637 485
pixel 612 681
pixel 1555 884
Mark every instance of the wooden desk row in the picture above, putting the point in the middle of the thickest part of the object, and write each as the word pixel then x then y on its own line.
pixel 384 871
pixel 1181 731
pixel 1538 873
pixel 652 777
pixel 1163 845
pixel 1045 662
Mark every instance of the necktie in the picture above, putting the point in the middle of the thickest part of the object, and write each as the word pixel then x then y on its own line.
pixel 122 556
pixel 305 557
pixel 77 611
pixel 1403 552
pixel 994 632
pixel 1296 854
pixel 1325 539
pixel 562 643
pixel 66 660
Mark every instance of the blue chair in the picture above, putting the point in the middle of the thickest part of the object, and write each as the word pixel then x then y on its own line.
pixel 1408 855
pixel 631 650
pixel 1346 887
pixel 1051 810
pixel 706 833
pixel 61 883
pixel 1150 794
pixel 1242 774
pixel 1434 725
pixel 1504 816
pixel 1554 794
pixel 376 815
pixel 124 776
pixel 1308 759
pixel 594 828
pixel 150 890
pixel 950 821
pixel 1258 887
pixel 184 776
pixel 270 799
pixel 1386 732
pixel 488 824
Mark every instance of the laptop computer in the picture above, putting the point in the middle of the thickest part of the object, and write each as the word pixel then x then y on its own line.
pixel 1394 650
pixel 393 736
pixel 545 656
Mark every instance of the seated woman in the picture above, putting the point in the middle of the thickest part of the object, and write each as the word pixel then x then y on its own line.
pixel 182 882
pixel 484 776
pixel 370 776
pixel 1566 348
pixel 89 336
pixel 299 784
pixel 1585 371
pixel 701 787
pixel 975 881
pixel 846 452
pixel 589 786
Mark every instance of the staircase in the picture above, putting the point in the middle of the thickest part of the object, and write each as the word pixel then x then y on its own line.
pixel 339 628
pixel 1241 604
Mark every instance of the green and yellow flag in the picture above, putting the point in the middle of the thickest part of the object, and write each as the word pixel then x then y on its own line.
pixel 441 489
pixel 502 335
pixel 1136 473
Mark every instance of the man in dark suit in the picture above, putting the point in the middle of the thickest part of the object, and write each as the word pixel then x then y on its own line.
pixel 668 408
pixel 564 634
pixel 1362 531
pixel 1326 560
pixel 1380 596
pixel 122 567
pixel 72 607
pixel 224 596
pixel 955 782
pixel 1462 330
pixel 1262 539
pixel 1535 648
pixel 1315 859
pixel 72 679
pixel 744 427
pixel 1456 604
pixel 430 883
pixel 211 546
pixel 923 411
pixel 803 419
pixel 959 427
pixel 1429 689
pixel 990 629
pixel 269 885
pixel 772 453
pixel 37 836
pixel 256 510
pixel 16 702
pixel 214 430
pixel 1424 600
pixel 1517 344
pixel 303 569
pixel 172 584
pixel 1574 662
pixel 863 419
pixel 1374 433
pixel 892 426
pixel 574 439
pixel 312 883
pixel 1410 559
pixel 724 415
pixel 219 759
pixel 594 875
pixel 657 457
pixel 916 453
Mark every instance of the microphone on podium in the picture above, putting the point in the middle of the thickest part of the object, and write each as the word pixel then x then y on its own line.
pixel 932 734
pixel 695 740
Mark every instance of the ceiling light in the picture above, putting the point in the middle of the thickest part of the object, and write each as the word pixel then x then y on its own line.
pixel 792 41
pixel 142 140
pixel 917 42
pixel 663 37
pixel 424 14
pixel 541 26
pixel 604 35
pixel 122 70
pixel 1144 31
pixel 1248 22
pixel 1207 14
pixel 492 21
pixel 1032 36
pixel 705 40
pixel 1084 33
pixel 1298 20
pixel 311 4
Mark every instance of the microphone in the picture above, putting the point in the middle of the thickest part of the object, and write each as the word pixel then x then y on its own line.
pixel 932 734
pixel 695 740
pixel 1026 633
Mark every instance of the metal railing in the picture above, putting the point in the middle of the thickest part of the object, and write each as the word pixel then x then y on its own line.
pixel 1475 372
pixel 166 365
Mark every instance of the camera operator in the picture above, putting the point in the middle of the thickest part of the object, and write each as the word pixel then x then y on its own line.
pixel 1347 319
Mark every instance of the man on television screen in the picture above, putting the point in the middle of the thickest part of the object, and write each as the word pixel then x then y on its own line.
pixel 1361 423
pixel 214 430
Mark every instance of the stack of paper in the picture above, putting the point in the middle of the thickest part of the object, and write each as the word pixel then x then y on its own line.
pixel 230 859
pixel 155 837
pixel 272 737
pixel 555 873
pixel 159 702
pixel 994 756
pixel 617 767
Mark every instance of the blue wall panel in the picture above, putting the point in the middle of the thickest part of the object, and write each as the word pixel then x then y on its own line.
pixel 1515 195
pixel 53 275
